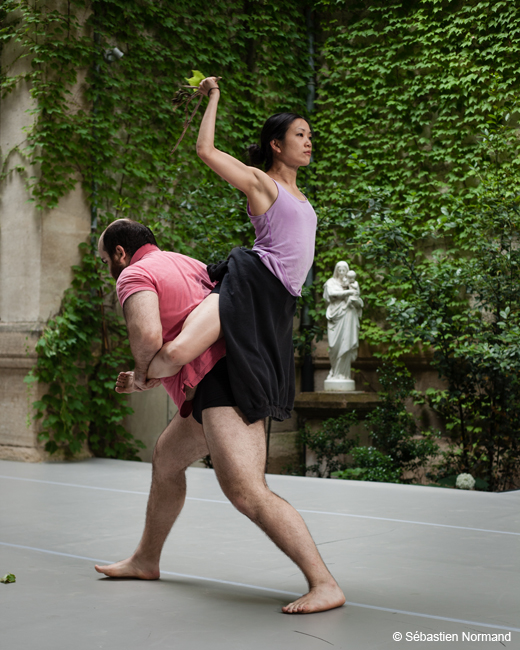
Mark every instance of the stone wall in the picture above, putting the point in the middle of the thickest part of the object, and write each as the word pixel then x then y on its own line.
pixel 37 250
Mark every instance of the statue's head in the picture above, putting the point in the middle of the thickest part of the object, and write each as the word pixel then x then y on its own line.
pixel 341 270
pixel 351 275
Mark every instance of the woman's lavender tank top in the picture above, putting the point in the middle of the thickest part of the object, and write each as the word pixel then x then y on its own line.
pixel 285 238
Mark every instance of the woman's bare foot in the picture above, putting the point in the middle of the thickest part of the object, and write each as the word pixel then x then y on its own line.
pixel 125 383
pixel 130 568
pixel 319 599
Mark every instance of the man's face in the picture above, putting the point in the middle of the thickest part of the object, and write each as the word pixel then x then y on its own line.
pixel 117 263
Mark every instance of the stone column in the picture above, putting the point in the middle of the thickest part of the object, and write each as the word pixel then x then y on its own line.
pixel 37 250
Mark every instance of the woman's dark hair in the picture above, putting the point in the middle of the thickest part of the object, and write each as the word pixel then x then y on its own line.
pixel 129 234
pixel 275 128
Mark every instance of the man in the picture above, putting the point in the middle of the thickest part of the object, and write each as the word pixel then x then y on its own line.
pixel 157 290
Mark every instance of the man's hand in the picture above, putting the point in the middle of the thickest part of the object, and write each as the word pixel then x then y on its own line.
pixel 142 382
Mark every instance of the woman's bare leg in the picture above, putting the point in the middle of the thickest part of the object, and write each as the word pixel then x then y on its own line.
pixel 200 330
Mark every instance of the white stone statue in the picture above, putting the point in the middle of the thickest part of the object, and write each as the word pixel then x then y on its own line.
pixel 344 309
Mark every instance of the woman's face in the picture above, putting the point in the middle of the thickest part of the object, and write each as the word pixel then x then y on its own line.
pixel 296 148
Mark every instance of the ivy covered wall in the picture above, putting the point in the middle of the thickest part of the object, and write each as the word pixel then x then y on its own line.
pixel 415 113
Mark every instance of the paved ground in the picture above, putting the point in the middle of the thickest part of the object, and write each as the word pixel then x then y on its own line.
pixel 410 559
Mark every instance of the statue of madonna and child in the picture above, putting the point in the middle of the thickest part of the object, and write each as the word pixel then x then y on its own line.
pixel 344 310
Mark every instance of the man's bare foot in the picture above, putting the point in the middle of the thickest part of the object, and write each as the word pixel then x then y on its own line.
pixel 319 599
pixel 125 383
pixel 129 568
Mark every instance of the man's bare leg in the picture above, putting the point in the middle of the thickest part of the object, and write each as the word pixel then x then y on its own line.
pixel 238 453
pixel 181 443
pixel 200 330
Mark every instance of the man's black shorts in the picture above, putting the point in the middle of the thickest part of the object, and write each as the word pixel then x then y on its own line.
pixel 213 390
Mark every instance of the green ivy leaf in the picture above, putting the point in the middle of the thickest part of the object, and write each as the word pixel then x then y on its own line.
pixel 198 76
pixel 9 577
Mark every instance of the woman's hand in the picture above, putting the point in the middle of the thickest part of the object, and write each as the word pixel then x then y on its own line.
pixel 207 84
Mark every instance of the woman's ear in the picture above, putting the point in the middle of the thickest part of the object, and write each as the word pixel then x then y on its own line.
pixel 275 146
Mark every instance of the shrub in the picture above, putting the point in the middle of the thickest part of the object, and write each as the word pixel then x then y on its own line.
pixel 329 443
pixel 369 464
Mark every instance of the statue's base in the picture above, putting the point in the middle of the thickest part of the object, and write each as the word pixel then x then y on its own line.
pixel 326 404
pixel 342 385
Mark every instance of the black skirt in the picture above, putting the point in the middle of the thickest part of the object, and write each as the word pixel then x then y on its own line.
pixel 256 314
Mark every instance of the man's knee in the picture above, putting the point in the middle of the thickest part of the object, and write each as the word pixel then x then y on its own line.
pixel 247 499
pixel 180 444
pixel 163 463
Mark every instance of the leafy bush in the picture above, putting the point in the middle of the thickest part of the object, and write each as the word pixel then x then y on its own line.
pixel 415 177
pixel 328 443
pixel 393 428
pixel 79 354
pixel 369 464
pixel 463 303
pixel 397 446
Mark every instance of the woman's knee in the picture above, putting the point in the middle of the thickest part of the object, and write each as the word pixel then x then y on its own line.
pixel 177 353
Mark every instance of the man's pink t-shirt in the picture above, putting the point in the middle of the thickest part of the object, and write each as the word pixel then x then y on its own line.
pixel 181 283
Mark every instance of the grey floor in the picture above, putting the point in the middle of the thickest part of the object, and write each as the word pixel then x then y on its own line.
pixel 410 560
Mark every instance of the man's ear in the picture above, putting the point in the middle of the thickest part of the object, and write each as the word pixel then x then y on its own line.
pixel 120 254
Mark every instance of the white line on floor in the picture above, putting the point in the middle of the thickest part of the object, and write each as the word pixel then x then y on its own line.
pixel 406 521
pixel 274 591
pixel 95 487
pixel 170 573
pixel 314 512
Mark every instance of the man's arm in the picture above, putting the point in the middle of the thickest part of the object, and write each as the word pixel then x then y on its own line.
pixel 143 321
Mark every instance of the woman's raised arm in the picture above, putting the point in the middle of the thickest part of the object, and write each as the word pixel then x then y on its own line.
pixel 253 182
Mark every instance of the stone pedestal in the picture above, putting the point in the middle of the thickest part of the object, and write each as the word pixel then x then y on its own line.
pixel 339 385
pixel 314 408
pixel 325 404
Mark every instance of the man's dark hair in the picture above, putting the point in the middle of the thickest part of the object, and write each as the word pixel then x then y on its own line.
pixel 129 234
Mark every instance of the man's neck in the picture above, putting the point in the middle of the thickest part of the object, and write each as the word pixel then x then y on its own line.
pixel 141 252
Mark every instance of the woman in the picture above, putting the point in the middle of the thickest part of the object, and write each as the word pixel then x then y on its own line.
pixel 254 303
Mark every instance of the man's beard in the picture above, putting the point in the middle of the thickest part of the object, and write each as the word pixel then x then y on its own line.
pixel 116 269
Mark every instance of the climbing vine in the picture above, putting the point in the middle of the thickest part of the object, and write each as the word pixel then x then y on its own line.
pixel 422 191
pixel 108 124
pixel 415 120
